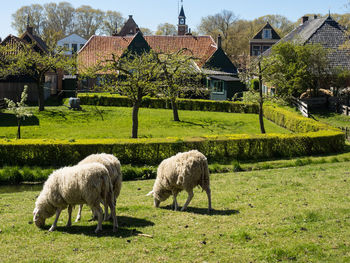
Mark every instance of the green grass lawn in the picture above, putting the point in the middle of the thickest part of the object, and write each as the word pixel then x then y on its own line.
pixel 291 215
pixel 115 122
pixel 332 118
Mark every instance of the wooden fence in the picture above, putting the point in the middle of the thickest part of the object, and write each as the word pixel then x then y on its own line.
pixel 2 104
pixel 301 106
pixel 345 110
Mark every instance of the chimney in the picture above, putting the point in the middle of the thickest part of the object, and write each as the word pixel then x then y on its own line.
pixel 189 32
pixel 130 16
pixel 219 41
pixel 304 19
pixel 29 28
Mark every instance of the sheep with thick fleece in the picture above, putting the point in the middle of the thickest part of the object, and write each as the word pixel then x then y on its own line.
pixel 184 171
pixel 80 184
pixel 114 169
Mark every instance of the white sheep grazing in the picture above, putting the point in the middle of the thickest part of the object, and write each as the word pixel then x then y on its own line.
pixel 184 171
pixel 80 184
pixel 114 168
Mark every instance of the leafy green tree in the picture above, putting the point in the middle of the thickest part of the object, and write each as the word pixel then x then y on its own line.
pixel 110 21
pixel 19 109
pixel 166 29
pixel 146 31
pixel 132 75
pixel 60 18
pixel 177 70
pixel 89 21
pixel 36 15
pixel 22 59
pixel 293 68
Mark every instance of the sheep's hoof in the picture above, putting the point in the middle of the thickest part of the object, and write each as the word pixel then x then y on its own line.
pixel 52 229
pixel 97 230
pixel 77 220
pixel 69 224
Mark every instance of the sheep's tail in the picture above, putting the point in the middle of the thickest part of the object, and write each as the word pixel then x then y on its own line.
pixel 205 175
pixel 108 189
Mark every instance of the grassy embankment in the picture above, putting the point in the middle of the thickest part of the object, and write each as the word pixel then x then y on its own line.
pixel 290 215
pixel 115 122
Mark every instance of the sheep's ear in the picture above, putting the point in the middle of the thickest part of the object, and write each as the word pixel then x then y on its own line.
pixel 35 211
pixel 150 193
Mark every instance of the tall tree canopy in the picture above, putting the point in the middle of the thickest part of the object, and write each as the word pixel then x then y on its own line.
pixel 53 21
pixel 293 69
pixel 166 29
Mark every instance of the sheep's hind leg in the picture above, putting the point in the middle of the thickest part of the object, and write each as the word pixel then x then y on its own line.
pixel 190 196
pixel 98 210
pixel 70 208
pixel 175 204
pixel 111 204
pixel 79 214
pixel 208 191
pixel 58 212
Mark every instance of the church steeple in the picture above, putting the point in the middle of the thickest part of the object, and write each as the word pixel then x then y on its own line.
pixel 182 28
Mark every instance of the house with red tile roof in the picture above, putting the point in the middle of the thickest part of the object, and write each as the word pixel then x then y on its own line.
pixel 221 72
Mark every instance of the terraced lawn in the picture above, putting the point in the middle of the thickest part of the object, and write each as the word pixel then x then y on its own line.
pixel 115 122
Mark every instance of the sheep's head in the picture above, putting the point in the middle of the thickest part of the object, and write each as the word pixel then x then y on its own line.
pixel 38 218
pixel 159 196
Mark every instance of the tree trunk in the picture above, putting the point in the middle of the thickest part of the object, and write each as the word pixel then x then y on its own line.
pixel 135 119
pixel 41 97
pixel 18 128
pixel 175 111
pixel 261 102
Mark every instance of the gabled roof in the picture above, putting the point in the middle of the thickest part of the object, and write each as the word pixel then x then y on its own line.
pixel 40 45
pixel 72 37
pixel 202 47
pixel 259 35
pixel 99 47
pixel 327 32
pixel 130 28
pixel 220 61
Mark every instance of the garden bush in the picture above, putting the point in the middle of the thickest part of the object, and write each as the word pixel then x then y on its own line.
pixel 162 103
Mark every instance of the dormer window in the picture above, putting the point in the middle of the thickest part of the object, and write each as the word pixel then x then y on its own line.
pixel 267 34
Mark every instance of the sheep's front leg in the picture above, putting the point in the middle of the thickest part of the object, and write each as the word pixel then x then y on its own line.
pixel 175 205
pixel 70 208
pixel 190 196
pixel 98 210
pixel 58 212
pixel 79 214
pixel 208 191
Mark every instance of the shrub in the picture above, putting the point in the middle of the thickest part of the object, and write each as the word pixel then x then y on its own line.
pixel 163 103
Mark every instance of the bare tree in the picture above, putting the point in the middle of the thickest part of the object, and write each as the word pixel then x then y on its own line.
pixel 112 21
pixel 89 21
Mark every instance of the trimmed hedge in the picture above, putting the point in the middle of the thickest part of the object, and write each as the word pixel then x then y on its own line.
pixel 162 103
pixel 311 138
pixel 152 151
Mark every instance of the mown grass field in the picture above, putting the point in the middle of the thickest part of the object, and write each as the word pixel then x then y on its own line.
pixel 291 215
pixel 115 122
pixel 332 118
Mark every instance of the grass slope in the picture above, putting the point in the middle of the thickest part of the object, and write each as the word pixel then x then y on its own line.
pixel 115 122
pixel 332 118
pixel 290 215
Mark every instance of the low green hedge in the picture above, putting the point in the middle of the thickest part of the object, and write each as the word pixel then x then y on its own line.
pixel 162 103
pixel 311 137
pixel 152 151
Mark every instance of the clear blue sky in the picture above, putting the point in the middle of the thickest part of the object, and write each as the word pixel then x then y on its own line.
pixel 153 12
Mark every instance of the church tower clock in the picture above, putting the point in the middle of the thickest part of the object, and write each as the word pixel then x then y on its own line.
pixel 182 28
